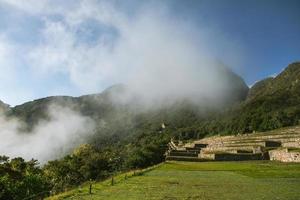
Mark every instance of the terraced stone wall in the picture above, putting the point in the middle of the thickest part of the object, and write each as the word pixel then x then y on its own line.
pixel 238 157
pixel 283 155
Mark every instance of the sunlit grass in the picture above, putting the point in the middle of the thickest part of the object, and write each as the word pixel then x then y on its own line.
pixel 205 180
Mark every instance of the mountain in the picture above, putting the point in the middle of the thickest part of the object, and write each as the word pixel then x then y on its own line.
pixel 259 88
pixel 236 89
pixel 274 102
pixel 122 119
pixel 271 103
pixel 130 134
pixel 288 81
pixel 119 100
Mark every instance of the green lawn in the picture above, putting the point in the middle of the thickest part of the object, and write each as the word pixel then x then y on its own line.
pixel 204 180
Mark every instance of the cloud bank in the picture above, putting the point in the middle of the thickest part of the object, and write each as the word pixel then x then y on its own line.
pixel 92 44
pixel 95 44
pixel 49 139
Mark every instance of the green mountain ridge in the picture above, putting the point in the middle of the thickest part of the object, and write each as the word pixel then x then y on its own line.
pixel 288 79
pixel 271 103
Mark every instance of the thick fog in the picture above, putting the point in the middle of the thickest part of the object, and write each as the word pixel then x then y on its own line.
pixel 50 139
pixel 96 44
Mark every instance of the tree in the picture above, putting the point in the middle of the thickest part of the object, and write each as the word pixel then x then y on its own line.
pixel 20 179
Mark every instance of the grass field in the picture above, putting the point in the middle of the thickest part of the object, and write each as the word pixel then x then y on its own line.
pixel 204 180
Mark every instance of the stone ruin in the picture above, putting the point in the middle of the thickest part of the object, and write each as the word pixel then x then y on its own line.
pixel 285 155
pixel 280 145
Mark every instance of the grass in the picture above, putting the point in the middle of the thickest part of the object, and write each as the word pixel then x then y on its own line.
pixel 204 180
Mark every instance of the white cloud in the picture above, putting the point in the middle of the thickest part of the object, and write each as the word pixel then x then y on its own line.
pixel 36 7
pixel 153 50
pixel 158 55
pixel 49 139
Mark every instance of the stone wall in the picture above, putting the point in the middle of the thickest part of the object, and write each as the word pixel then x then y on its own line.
pixel 283 155
pixel 237 157
pixel 252 146
pixel 208 156
pixel 295 144
pixel 250 149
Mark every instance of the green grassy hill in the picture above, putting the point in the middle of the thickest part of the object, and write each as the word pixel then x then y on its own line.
pixel 205 180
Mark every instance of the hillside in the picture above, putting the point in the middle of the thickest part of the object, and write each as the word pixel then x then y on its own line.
pixel 287 81
pixel 271 103
pixel 118 105
pixel 130 134
pixel 278 102
pixel 121 98
pixel 206 180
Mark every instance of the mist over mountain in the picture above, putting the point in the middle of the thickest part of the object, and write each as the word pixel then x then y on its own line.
pixel 171 69
pixel 271 103
pixel 121 113
pixel 117 112
pixel 92 90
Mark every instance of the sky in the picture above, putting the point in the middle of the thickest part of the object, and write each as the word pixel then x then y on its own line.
pixel 76 47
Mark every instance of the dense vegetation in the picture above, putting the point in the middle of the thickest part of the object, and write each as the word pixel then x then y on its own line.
pixel 135 138
pixel 20 179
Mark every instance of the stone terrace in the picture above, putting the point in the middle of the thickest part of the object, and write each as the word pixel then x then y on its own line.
pixel 281 144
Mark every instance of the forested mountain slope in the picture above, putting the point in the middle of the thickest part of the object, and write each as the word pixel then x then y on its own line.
pixel 271 103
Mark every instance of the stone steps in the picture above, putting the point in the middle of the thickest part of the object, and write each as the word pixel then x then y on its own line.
pixel 243 146
pixel 254 146
pixel 257 139
pixel 261 139
pixel 285 135
pixel 290 139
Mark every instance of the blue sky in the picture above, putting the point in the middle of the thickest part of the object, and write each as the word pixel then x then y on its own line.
pixel 83 46
pixel 268 29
